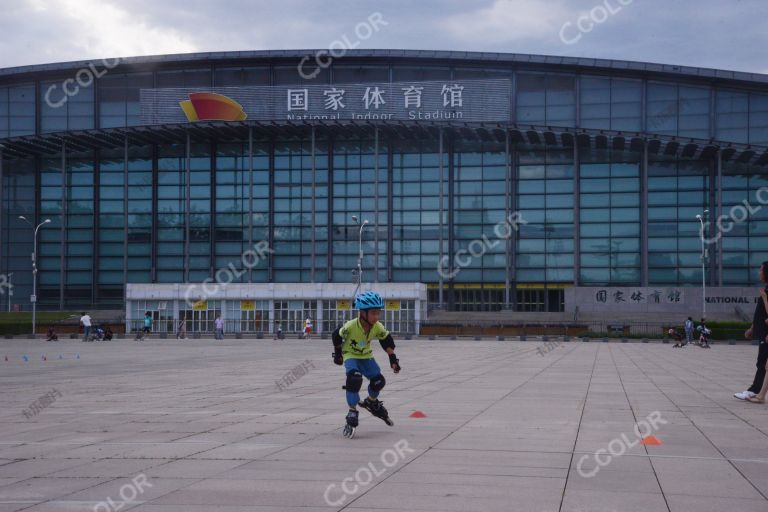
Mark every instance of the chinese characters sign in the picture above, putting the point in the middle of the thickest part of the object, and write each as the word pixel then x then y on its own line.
pixel 463 100
pixel 638 296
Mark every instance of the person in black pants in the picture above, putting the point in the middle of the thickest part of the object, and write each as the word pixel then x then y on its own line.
pixel 759 331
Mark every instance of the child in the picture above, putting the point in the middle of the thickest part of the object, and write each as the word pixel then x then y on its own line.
pixel 147 327
pixel 705 332
pixel 52 336
pixel 307 328
pixel 352 348
pixel 674 333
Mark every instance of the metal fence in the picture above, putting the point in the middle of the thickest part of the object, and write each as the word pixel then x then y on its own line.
pixel 596 329
pixel 169 327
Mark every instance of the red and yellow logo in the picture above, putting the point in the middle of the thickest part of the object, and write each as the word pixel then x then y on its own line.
pixel 209 106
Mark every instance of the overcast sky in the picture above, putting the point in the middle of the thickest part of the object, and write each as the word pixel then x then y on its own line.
pixel 726 34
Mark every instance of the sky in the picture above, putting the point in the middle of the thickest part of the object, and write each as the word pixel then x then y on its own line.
pixel 724 34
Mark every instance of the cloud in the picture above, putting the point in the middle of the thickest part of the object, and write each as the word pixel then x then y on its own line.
pixel 686 32
pixel 81 29
pixel 508 21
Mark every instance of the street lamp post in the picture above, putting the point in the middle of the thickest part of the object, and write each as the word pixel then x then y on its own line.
pixel 704 254
pixel 10 291
pixel 33 298
pixel 359 256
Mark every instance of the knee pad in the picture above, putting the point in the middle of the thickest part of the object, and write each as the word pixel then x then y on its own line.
pixel 354 381
pixel 378 382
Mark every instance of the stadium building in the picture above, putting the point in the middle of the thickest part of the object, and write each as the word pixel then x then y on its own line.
pixel 488 182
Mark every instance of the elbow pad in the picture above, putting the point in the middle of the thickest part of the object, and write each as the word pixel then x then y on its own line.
pixel 387 342
pixel 337 339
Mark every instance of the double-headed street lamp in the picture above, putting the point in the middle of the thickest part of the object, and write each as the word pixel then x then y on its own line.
pixel 704 254
pixel 33 298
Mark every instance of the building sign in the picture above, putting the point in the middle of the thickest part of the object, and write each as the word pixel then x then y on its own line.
pixel 200 305
pixel 638 296
pixel 247 305
pixel 392 304
pixel 721 302
pixel 343 304
pixel 461 100
pixel 208 106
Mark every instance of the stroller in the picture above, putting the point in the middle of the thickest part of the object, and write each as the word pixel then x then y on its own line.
pixel 97 333
pixel 679 337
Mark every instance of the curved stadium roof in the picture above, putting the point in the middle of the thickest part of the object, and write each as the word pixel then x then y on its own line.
pixel 582 63
pixel 48 143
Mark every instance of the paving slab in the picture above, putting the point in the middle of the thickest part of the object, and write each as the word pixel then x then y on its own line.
pixel 203 426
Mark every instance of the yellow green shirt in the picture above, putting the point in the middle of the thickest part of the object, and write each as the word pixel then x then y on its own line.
pixel 357 344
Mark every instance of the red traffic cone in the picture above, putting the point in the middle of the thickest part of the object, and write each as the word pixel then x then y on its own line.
pixel 418 414
pixel 651 441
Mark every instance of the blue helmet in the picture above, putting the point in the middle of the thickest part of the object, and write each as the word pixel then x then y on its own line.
pixel 369 300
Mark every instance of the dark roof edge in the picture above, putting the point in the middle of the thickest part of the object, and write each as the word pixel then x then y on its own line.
pixel 671 69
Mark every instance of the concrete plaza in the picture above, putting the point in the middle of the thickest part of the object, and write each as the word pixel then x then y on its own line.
pixel 255 425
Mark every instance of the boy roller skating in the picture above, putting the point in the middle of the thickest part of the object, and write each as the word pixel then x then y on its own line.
pixel 352 348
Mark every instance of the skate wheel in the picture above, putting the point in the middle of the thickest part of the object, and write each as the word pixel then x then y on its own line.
pixel 389 422
pixel 349 432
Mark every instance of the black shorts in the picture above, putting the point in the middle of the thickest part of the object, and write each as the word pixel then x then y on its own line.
pixel 146 329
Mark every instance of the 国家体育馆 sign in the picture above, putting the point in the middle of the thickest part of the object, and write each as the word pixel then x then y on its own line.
pixel 462 100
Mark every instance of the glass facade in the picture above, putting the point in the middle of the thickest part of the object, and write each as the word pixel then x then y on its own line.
pixel 150 210
pixel 609 218
pixel 677 192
